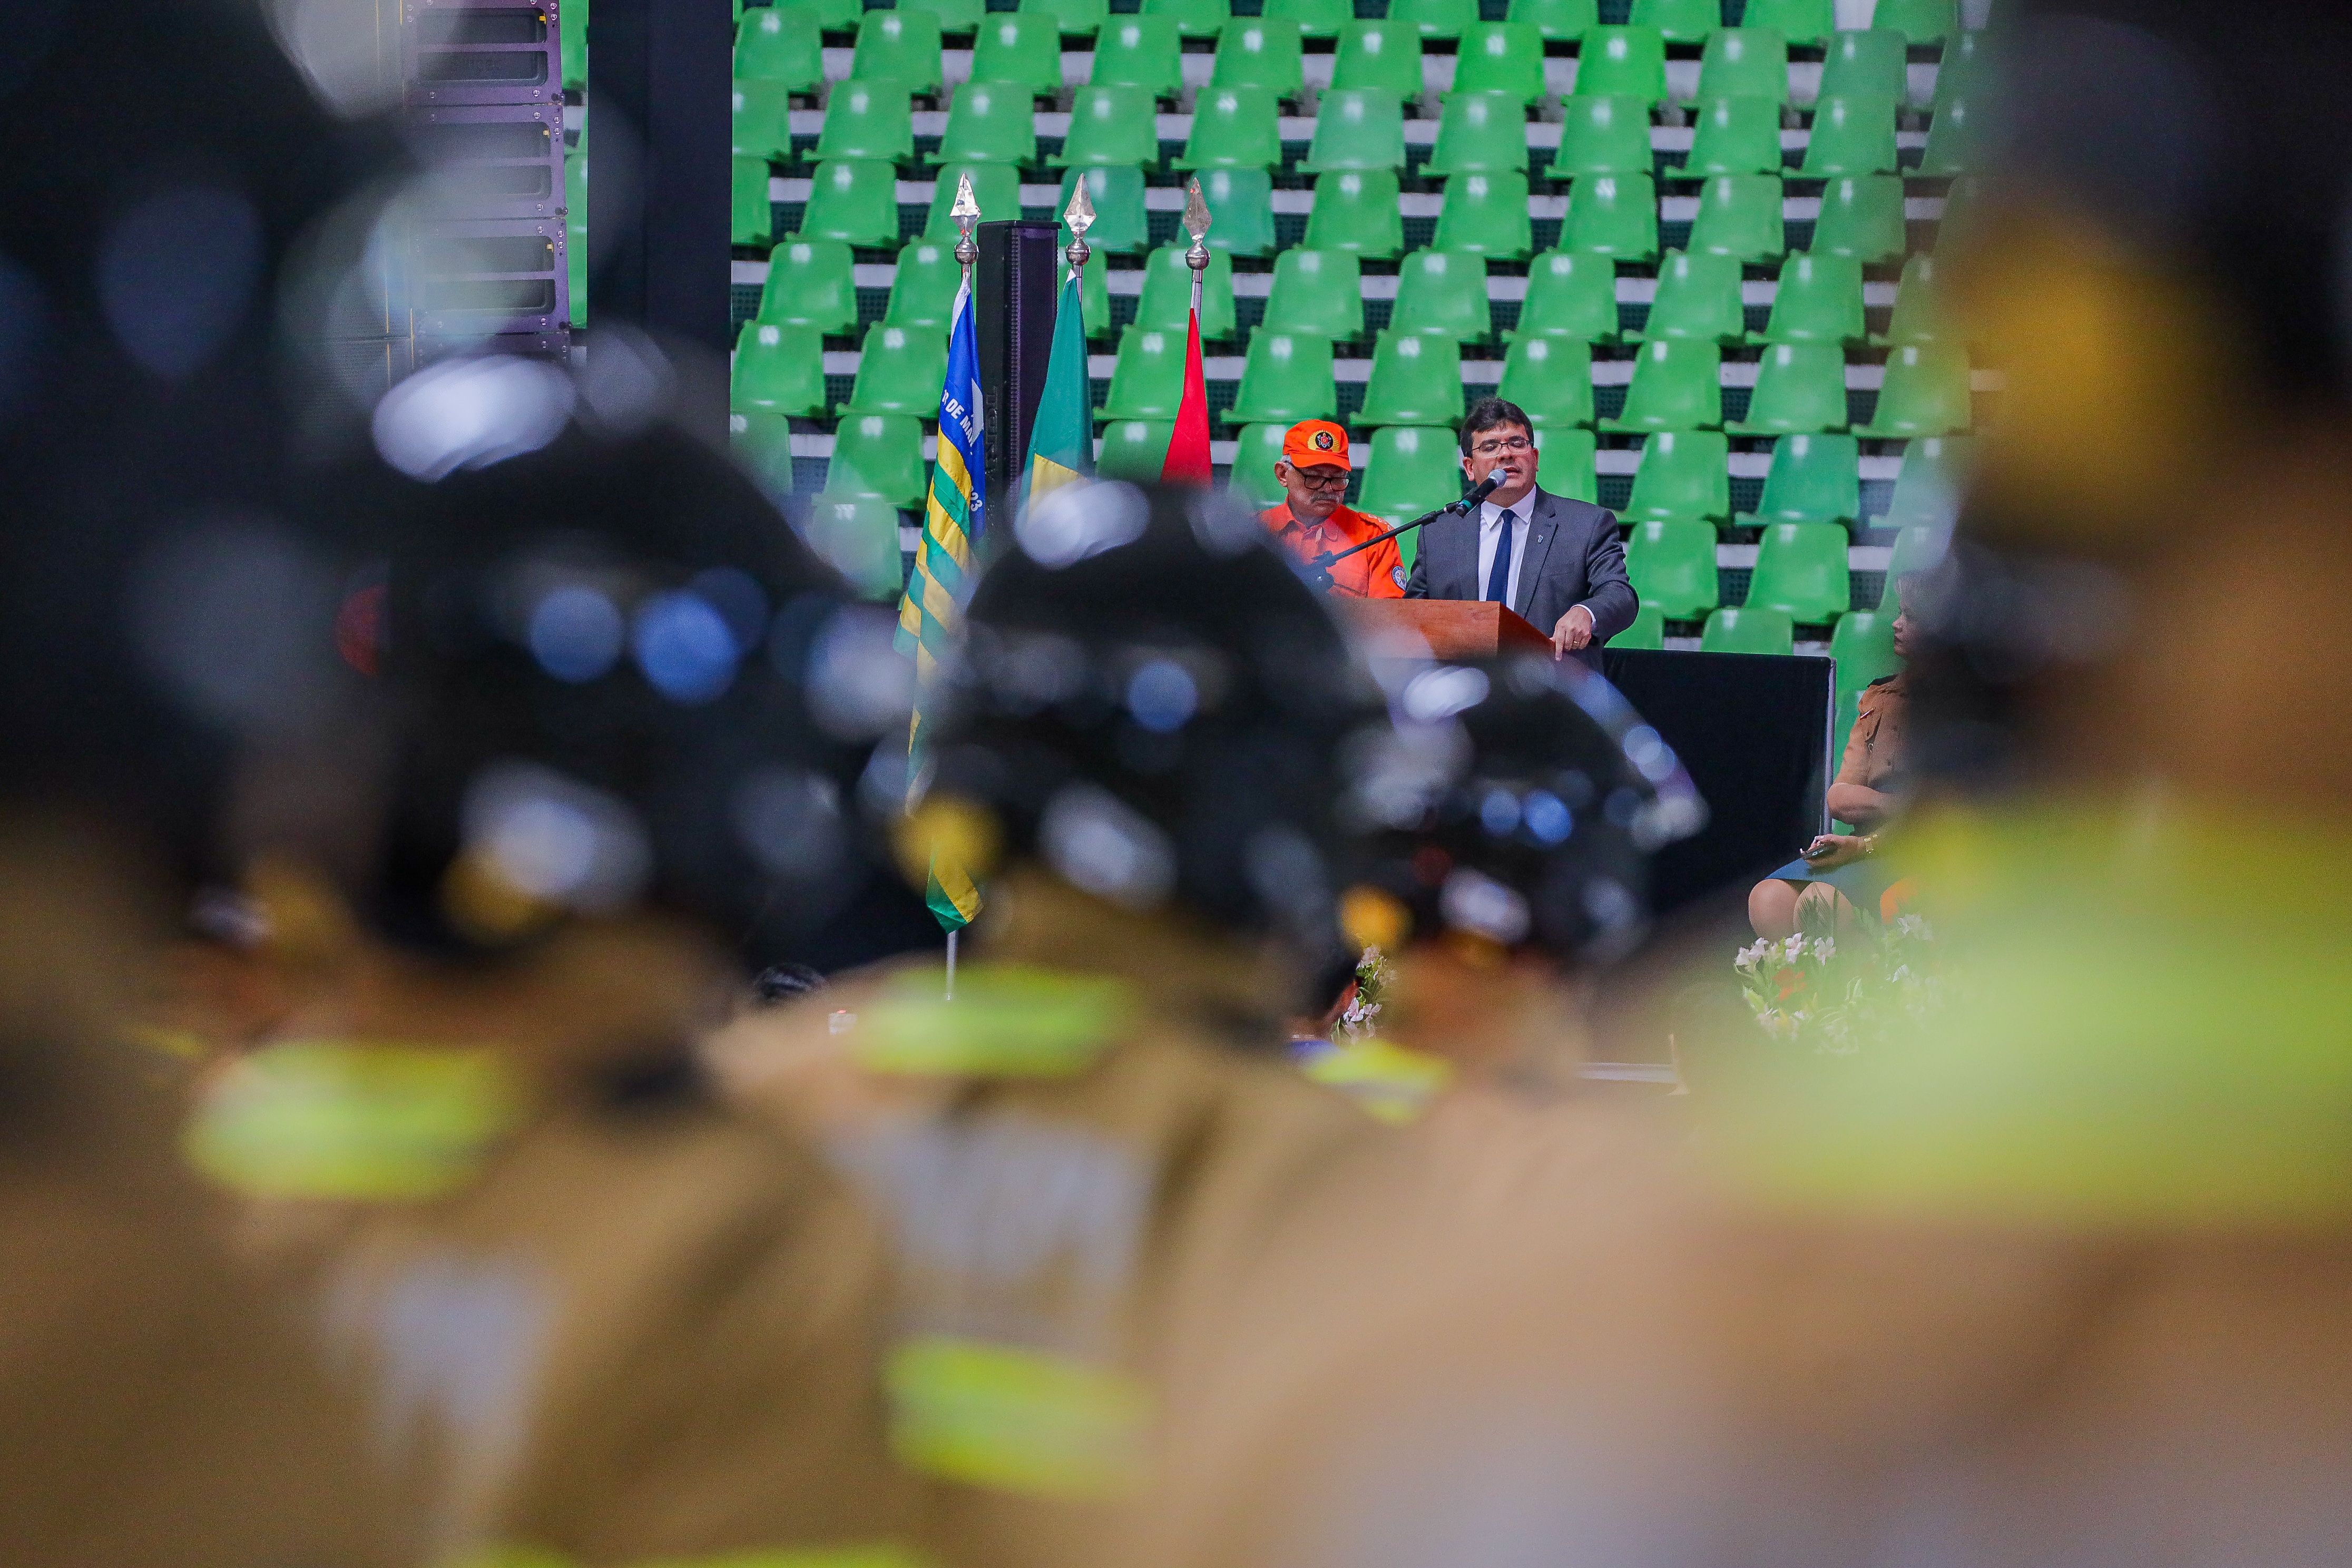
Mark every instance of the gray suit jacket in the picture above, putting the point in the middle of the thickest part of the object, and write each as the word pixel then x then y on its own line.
pixel 1573 557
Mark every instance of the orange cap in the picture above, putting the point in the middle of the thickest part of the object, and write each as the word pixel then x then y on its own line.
pixel 1316 443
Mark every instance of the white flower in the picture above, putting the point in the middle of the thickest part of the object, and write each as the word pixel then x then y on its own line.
pixel 1794 947
pixel 1914 926
pixel 1824 949
pixel 1752 955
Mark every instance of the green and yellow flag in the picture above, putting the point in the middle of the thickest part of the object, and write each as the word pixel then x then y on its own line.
pixel 1062 440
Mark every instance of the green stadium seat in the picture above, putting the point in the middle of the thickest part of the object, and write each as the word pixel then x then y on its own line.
pixel 1615 215
pixel 1925 394
pixel 1569 296
pixel 1819 300
pixel 1603 136
pixel 1671 564
pixel 1800 568
pixel 1316 18
pixel 1862 643
pixel 1744 62
pixel 1094 297
pixel 1435 18
pixel 761 444
pixel 868 119
pixel 1443 292
pixel 1916 548
pixel 897 46
pixel 1378 55
pixel 859 535
pixel 923 293
pixel 1501 57
pixel 1851 136
pixel 1356 211
pixel 955 16
pixel 900 370
pixel 989 123
pixel 1684 475
pixel 1927 487
pixel 1813 478
pixel 763 126
pixel 1357 128
pixel 1735 629
pixel 1134 450
pixel 1285 378
pixel 1020 46
pixel 1865 64
pixel 854 200
pixel 1240 210
pixel 1679 21
pixel 1486 214
pixel 1260 51
pixel 1122 226
pixel 1961 68
pixel 1917 319
pixel 1318 293
pixel 1739 216
pixel 1564 462
pixel 1167 299
pixel 1949 149
pixel 1255 451
pixel 1961 199
pixel 1075 19
pixel 781 43
pixel 753 213
pixel 1193 18
pixel 1416 380
pixel 1622 62
pixel 1411 470
pixel 1677 385
pixel 1551 378
pixel 1862 217
pixel 1697 297
pixel 1735 136
pixel 1110 125
pixel 1557 21
pixel 575 218
pixel 1648 630
pixel 1800 390
pixel 571 42
pixel 879 455
pixel 1922 22
pixel 779 370
pixel 1233 128
pixel 809 285
pixel 996 187
pixel 1139 51
pixel 1147 381
pixel 1806 22
pixel 1480 131
pixel 836 16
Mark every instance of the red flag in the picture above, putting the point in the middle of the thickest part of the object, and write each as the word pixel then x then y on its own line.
pixel 1188 447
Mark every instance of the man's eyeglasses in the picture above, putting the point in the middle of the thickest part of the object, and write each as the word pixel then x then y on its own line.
pixel 1323 480
pixel 1512 443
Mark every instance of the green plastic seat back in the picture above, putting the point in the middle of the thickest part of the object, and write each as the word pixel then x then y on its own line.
pixel 1551 378
pixel 1564 462
pixel 1950 149
pixel 1851 136
pixel 855 201
pixel 1147 381
pixel 1862 643
pixel 1482 131
pixel 868 119
pixel 1316 18
pixel 1260 51
pixel 879 455
pixel 750 210
pixel 1233 128
pixel 1744 62
pixel 897 45
pixel 1167 298
pixel 1435 18
pixel 1285 378
pixel 1622 62
pixel 1357 128
pixel 836 15
pixel 1416 380
pixel 1866 63
pixel 1411 468
pixel 1919 21
pixel 778 369
pixel 1928 485
pixel 1603 135
pixel 1569 296
pixel 1193 18
pixel 1486 214
pixel 753 213
pixel 1925 393
pixel 1110 125
pixel 1501 57
pixel 1443 292
pixel 1677 21
pixel 1916 548
pixel 1735 136
pixel 954 15
pixel 1557 21
pixel 1020 46
pixel 1677 385
pixel 1255 451
pixel 763 126
pixel 1613 214
pixel 860 536
pixel 1356 210
pixel 810 284
pixel 781 44
pixel 1648 630
pixel 1862 217
pixel 1917 319
pixel 1139 51
pixel 923 292
pixel 900 370
pixel 1316 291
pixel 1697 297
pixel 1240 210
pixel 989 123
pixel 1134 450
pixel 1799 21
pixel 1735 629
pixel 995 186
pixel 1799 389
pixel 1813 478
pixel 1121 225
pixel 571 40
pixel 1818 300
pixel 762 445
pixel 1684 475
pixel 1094 296
pixel 1671 564
pixel 1075 19
pixel 1800 568
pixel 1961 199
pixel 1739 216
pixel 1378 55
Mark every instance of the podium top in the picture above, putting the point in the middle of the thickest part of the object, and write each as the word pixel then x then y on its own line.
pixel 1454 628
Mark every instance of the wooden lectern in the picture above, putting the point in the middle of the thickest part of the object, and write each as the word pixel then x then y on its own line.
pixel 1454 628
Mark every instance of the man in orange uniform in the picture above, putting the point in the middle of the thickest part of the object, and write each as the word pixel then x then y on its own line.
pixel 1314 521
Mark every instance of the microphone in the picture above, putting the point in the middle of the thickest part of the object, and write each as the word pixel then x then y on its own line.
pixel 1478 492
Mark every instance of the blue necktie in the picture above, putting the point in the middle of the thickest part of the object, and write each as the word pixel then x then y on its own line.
pixel 1499 577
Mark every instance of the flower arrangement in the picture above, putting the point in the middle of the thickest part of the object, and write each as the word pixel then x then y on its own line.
pixel 1373 973
pixel 1839 996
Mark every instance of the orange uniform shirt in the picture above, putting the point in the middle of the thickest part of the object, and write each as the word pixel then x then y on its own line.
pixel 1374 573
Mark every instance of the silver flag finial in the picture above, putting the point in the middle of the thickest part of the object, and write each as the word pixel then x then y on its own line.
pixel 1079 216
pixel 966 213
pixel 1196 223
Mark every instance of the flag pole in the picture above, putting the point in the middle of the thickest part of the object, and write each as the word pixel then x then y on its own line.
pixel 965 213
pixel 1196 223
pixel 1080 216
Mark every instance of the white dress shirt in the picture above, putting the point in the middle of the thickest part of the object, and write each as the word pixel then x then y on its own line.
pixel 1491 518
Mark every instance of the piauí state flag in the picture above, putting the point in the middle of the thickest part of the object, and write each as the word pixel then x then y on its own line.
pixel 1061 438
pixel 953 517
pixel 1188 445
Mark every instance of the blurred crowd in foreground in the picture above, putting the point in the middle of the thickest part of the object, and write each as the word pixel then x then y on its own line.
pixel 398 1164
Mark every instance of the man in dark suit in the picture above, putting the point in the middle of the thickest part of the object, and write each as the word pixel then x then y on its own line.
pixel 1557 562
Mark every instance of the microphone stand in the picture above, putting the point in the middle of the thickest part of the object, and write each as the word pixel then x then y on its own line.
pixel 1319 571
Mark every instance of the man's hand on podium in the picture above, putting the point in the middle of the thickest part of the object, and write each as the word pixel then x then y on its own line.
pixel 1573 632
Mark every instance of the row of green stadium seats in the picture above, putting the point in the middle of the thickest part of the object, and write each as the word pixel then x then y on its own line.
pixel 1800 568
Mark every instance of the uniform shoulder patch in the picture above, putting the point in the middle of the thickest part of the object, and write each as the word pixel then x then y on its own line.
pixel 1396 575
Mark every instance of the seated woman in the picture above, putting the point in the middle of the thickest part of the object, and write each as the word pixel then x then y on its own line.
pixel 1837 874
